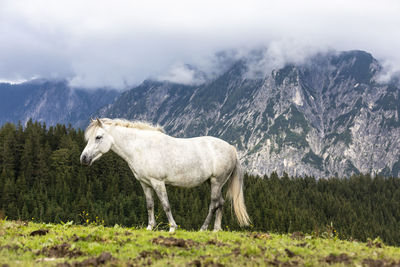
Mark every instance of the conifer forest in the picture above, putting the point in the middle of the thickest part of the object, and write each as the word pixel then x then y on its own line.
pixel 41 179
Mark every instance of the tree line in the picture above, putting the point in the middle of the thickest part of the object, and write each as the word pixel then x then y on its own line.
pixel 41 179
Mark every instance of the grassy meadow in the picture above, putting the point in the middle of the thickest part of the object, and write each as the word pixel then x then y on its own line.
pixel 38 244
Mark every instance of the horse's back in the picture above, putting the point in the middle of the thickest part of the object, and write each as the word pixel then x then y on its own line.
pixel 221 151
pixel 191 161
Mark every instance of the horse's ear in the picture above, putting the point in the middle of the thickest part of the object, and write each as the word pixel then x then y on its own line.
pixel 91 120
pixel 99 122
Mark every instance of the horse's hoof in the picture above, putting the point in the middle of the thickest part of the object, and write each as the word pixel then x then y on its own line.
pixel 149 228
pixel 216 230
pixel 172 229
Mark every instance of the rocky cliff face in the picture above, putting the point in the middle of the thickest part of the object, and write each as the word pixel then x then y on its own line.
pixel 50 102
pixel 328 116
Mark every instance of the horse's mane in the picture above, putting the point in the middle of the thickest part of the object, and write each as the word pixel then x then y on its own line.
pixel 141 125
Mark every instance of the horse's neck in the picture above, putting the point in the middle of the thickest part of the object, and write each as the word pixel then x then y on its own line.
pixel 124 142
pixel 129 140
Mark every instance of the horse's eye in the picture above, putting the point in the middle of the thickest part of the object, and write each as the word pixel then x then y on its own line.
pixel 99 137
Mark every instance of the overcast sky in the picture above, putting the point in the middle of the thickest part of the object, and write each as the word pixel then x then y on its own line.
pixel 118 43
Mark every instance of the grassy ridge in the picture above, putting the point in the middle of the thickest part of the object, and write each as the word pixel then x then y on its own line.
pixel 35 244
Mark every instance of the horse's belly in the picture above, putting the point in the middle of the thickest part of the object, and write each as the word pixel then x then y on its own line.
pixel 189 179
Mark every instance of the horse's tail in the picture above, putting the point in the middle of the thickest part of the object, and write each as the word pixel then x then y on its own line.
pixel 235 194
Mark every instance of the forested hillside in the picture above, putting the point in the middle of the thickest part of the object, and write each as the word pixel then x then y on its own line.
pixel 42 180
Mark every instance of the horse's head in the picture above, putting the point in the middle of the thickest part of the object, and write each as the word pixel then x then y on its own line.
pixel 99 142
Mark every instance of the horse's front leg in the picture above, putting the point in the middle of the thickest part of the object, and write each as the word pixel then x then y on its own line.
pixel 159 187
pixel 148 192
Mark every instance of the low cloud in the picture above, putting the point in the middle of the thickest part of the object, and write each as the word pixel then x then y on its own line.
pixel 184 74
pixel 390 72
pixel 99 43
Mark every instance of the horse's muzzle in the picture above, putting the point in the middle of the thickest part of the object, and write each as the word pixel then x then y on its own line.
pixel 85 160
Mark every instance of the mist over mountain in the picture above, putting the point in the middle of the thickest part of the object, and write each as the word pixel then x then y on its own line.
pixel 51 102
pixel 84 42
pixel 328 115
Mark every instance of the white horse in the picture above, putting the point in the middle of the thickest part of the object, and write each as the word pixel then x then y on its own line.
pixel 157 159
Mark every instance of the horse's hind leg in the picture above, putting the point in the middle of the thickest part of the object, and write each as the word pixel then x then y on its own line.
pixel 214 205
pixel 218 215
pixel 148 192
pixel 161 191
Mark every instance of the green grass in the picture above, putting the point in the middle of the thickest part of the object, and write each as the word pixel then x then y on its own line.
pixel 79 245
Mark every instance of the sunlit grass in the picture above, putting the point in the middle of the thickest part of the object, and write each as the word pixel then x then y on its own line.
pixel 131 246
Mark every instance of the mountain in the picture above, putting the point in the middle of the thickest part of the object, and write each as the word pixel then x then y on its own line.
pixel 51 102
pixel 328 116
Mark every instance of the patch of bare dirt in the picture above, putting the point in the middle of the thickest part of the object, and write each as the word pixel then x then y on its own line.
pixel 277 262
pixel 260 235
pixel 302 245
pixel 290 253
pixel 374 244
pixel 342 258
pixel 39 232
pixel 174 242
pixel 127 233
pixel 96 261
pixel 60 251
pixel 373 263
pixel 198 263
pixel 146 257
pixel 102 259
pixel 151 254
pixel 236 251
pixel 380 263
